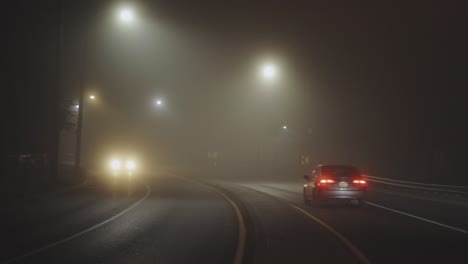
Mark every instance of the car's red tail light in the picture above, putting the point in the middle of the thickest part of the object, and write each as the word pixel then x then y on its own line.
pixel 324 182
pixel 327 181
pixel 360 182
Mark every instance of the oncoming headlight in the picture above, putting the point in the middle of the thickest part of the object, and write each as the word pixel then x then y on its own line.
pixel 116 165
pixel 130 165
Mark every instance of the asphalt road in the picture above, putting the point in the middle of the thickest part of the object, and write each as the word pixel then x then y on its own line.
pixel 172 220
pixel 385 236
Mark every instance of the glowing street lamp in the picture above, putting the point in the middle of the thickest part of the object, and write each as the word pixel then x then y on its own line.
pixel 269 71
pixel 158 103
pixel 126 15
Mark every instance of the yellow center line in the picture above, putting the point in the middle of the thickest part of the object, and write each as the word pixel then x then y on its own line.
pixel 241 239
pixel 362 258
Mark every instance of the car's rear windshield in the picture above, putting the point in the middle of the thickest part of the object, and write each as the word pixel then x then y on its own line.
pixel 340 171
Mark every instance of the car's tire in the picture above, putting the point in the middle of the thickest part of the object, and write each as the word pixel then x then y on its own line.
pixel 316 201
pixel 307 201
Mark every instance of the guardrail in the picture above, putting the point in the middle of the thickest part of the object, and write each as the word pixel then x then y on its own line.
pixel 441 188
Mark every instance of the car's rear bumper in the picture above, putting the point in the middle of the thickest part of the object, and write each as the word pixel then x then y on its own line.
pixel 341 194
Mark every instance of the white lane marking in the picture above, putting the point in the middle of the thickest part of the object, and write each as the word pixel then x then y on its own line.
pixel 419 218
pixel 430 199
pixel 403 213
pixel 59 242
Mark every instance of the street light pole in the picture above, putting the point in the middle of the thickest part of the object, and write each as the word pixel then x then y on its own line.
pixel 81 104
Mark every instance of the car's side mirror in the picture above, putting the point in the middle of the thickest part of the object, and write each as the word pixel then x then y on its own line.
pixel 307 177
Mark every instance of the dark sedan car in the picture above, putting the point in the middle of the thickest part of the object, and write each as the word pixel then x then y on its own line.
pixel 335 182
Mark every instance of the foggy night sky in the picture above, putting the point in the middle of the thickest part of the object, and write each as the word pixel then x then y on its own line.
pixel 378 83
